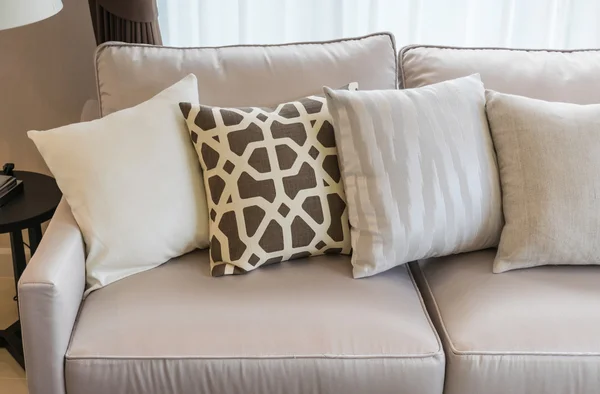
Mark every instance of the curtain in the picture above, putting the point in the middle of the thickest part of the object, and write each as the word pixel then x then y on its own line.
pixel 133 21
pixel 497 23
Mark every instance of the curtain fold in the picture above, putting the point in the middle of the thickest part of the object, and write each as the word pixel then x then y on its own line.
pixel 133 21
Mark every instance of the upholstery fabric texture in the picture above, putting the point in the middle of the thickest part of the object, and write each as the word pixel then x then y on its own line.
pixel 564 76
pixel 50 292
pixel 520 332
pixel 298 327
pixel 134 185
pixel 247 75
pixel 273 184
pixel 419 171
pixel 548 160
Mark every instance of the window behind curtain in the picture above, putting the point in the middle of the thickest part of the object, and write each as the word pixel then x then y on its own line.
pixel 503 23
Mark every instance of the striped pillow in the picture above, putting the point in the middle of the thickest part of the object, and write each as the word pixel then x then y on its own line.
pixel 419 171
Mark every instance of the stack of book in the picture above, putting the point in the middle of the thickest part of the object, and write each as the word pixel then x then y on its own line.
pixel 9 187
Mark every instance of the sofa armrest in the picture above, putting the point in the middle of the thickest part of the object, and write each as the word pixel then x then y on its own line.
pixel 50 293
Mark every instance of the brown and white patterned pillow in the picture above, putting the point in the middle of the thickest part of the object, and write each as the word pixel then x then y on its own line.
pixel 272 181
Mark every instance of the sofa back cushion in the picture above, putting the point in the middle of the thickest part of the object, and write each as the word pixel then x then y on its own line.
pixel 248 75
pixel 547 75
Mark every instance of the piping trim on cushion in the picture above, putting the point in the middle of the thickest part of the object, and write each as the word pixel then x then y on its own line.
pixel 115 44
pixel 404 50
pixel 439 352
pixel 437 316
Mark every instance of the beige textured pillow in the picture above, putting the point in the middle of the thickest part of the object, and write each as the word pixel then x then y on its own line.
pixel 273 183
pixel 549 160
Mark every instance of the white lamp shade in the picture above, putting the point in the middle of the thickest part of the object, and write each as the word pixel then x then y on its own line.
pixel 15 13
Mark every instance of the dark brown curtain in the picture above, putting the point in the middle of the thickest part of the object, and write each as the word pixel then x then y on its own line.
pixel 134 21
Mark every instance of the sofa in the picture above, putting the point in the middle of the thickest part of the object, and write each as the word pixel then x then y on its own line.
pixel 441 325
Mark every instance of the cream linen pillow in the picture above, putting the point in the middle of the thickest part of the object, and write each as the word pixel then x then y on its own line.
pixel 134 185
pixel 419 172
pixel 549 160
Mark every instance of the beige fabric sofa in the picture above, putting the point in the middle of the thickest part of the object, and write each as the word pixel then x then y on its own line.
pixel 527 331
pixel 302 327
pixel 307 326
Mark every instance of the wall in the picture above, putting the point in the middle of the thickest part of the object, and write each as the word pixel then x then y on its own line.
pixel 46 76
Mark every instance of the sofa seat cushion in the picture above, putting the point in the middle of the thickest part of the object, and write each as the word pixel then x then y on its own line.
pixel 298 327
pixel 530 331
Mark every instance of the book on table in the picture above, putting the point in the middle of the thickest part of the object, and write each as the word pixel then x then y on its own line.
pixel 9 187
pixel 7 182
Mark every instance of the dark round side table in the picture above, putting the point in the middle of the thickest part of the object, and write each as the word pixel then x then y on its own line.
pixel 27 210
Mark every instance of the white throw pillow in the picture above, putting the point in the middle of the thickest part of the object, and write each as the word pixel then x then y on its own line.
pixel 549 159
pixel 419 171
pixel 134 184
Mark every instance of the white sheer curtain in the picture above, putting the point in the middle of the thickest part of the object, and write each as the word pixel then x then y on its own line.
pixel 503 23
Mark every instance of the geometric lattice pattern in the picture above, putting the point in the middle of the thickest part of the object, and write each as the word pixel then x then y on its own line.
pixel 273 183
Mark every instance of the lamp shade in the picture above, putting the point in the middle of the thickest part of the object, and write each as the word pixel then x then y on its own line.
pixel 15 13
